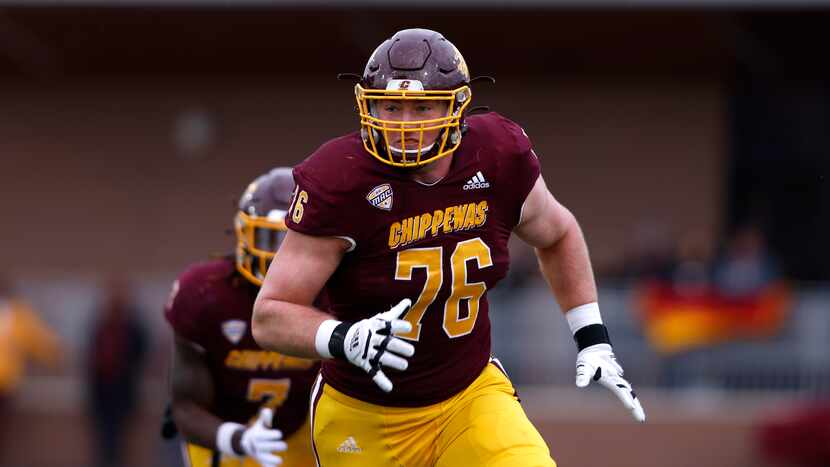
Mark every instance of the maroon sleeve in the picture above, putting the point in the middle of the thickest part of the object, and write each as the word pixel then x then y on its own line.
pixel 182 309
pixel 321 205
pixel 519 168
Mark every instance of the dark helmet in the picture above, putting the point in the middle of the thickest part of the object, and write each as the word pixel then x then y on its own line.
pixel 414 64
pixel 260 222
pixel 419 55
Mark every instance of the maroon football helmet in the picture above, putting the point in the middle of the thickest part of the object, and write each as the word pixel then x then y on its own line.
pixel 414 64
pixel 260 222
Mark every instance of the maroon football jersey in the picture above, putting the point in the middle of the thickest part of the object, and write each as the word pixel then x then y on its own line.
pixel 443 246
pixel 211 306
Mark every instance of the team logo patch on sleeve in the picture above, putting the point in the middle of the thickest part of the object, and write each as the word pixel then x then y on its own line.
pixel 381 197
pixel 234 330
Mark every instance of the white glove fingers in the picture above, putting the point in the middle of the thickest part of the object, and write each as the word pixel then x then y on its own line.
pixel 259 441
pixel 382 381
pixel 372 344
pixel 622 391
pixel 270 435
pixel 400 326
pixel 632 403
pixel 401 347
pixel 266 458
pixel 266 417
pixel 396 311
pixel 393 361
pixel 638 412
pixel 272 446
pixel 599 363
pixel 584 373
pixel 626 395
pixel 623 388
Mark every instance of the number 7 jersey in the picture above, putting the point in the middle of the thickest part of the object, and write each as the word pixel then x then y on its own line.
pixel 442 245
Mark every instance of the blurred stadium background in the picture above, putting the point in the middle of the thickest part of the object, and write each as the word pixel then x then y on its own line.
pixel 691 139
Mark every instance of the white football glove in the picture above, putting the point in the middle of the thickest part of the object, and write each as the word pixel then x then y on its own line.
pixel 260 441
pixel 597 362
pixel 369 343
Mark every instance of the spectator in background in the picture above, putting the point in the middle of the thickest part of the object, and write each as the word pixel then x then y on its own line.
pixel 117 348
pixel 690 274
pixel 746 267
pixel 23 337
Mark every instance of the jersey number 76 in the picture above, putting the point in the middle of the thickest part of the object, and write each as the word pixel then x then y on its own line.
pixel 431 259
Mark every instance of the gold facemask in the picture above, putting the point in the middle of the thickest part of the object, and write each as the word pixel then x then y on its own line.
pixel 376 131
pixel 257 241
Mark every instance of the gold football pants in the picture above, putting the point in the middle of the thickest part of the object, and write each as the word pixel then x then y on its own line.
pixel 298 454
pixel 483 425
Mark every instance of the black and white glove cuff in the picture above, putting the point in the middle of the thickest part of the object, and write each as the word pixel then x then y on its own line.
pixel 330 338
pixel 224 438
pixel 586 326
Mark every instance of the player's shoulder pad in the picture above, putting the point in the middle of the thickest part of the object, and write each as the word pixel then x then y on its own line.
pixel 500 132
pixel 206 273
pixel 195 288
pixel 332 168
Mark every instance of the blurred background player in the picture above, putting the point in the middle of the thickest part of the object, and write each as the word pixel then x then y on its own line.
pixel 232 399
pixel 24 337
pixel 115 359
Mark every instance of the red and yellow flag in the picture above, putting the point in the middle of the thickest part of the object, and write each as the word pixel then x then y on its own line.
pixel 676 322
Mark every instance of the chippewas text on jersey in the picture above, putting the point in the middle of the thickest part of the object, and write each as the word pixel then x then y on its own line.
pixel 257 360
pixel 447 220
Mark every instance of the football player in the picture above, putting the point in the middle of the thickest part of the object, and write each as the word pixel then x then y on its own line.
pixel 404 226
pixel 235 404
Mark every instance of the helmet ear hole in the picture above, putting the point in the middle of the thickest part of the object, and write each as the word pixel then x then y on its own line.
pixel 364 133
pixel 454 137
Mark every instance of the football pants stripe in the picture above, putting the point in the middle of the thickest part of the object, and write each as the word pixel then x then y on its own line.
pixel 316 392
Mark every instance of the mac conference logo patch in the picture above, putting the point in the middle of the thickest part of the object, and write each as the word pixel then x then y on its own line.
pixel 234 330
pixel 381 197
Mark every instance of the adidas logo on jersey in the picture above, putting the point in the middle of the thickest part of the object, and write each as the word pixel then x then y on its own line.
pixel 349 446
pixel 476 182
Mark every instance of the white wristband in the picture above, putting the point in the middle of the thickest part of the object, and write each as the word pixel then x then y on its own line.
pixel 582 316
pixel 224 435
pixel 321 340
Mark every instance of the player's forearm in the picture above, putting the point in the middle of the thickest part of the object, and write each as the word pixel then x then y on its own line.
pixel 196 424
pixel 286 327
pixel 567 269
